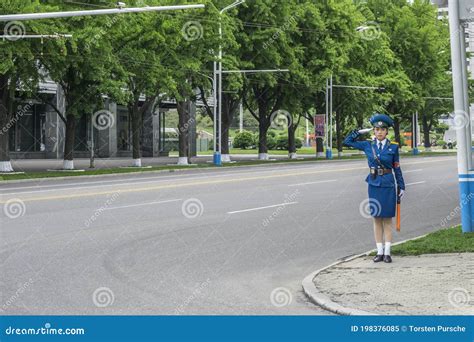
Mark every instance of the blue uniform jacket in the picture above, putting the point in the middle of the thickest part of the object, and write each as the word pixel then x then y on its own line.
pixel 389 157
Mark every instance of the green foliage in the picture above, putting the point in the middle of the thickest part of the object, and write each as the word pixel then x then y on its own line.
pixel 168 55
pixel 244 140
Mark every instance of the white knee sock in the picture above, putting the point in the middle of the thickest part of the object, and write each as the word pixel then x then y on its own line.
pixel 387 248
pixel 379 248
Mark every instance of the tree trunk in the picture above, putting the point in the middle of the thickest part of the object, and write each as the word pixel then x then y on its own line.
pixel 225 143
pixel 230 106
pixel 319 147
pixel 339 128
pixel 68 163
pixel 226 121
pixel 291 141
pixel 396 129
pixel 183 128
pixel 136 134
pixel 5 163
pixel 262 139
pixel 263 125
pixel 426 131
pixel 5 117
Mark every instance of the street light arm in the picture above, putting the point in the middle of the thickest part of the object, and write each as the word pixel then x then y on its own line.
pixel 47 15
pixel 237 3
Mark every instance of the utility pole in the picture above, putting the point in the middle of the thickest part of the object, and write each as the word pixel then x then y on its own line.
pixel 218 134
pixel 460 11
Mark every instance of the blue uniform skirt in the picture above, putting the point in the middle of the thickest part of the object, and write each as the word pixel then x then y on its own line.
pixel 382 201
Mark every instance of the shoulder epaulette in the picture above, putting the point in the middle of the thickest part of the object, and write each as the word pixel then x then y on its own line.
pixel 395 143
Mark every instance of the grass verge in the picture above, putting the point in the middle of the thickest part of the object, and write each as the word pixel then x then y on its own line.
pixel 450 240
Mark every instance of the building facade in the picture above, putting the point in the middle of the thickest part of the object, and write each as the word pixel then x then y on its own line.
pixel 38 131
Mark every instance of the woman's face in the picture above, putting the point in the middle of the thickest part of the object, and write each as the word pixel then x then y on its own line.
pixel 380 132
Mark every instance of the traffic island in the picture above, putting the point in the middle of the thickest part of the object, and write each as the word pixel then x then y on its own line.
pixel 439 282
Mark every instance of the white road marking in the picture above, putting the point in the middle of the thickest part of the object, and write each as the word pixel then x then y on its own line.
pixel 325 181
pixel 143 180
pixel 161 178
pixel 407 171
pixel 260 208
pixel 142 204
pixel 415 183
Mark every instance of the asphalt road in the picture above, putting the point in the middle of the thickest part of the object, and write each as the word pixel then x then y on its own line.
pixel 219 241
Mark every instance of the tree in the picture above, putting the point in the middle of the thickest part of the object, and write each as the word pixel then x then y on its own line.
pixel 420 42
pixel 312 40
pixel 83 67
pixel 191 46
pixel 142 50
pixel 19 73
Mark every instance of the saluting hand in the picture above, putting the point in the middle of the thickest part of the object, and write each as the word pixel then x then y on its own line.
pixel 365 130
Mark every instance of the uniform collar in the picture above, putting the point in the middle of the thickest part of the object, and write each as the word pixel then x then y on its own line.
pixel 384 142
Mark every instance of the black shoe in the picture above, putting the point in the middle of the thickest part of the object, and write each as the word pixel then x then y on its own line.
pixel 378 258
pixel 387 258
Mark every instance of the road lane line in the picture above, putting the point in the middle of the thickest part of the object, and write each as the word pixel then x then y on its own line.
pixel 326 181
pixel 161 177
pixel 408 171
pixel 181 185
pixel 143 204
pixel 145 180
pixel 260 208
pixel 415 183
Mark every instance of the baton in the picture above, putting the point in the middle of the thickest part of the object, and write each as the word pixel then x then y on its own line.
pixel 398 209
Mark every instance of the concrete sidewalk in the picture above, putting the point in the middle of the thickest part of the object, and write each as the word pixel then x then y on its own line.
pixel 431 284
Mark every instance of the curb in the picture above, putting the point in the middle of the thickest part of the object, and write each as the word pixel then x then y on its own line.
pixel 263 164
pixel 317 297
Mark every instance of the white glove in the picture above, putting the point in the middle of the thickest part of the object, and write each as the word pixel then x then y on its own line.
pixel 365 130
pixel 401 193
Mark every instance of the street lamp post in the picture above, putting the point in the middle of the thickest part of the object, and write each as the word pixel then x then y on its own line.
pixel 218 133
pixel 461 111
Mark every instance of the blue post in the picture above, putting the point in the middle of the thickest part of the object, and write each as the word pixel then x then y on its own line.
pixel 217 159
pixel 328 153
pixel 461 112
pixel 466 196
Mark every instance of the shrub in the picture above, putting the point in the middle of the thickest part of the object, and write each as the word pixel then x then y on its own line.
pixel 244 140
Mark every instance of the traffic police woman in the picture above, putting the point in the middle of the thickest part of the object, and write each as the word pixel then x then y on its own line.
pixel 383 157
